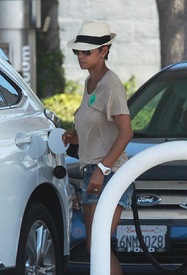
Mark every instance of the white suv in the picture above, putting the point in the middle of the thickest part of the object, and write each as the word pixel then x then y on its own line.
pixel 35 197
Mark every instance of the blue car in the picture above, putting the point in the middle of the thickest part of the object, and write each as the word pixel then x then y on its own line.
pixel 159 114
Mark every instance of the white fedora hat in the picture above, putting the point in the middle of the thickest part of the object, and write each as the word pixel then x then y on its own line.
pixel 92 35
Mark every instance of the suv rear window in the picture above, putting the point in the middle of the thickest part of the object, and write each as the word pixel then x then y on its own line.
pixel 160 108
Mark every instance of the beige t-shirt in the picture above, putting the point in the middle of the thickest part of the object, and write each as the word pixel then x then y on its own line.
pixel 94 122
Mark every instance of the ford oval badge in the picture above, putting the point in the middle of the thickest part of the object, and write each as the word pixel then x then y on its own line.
pixel 148 199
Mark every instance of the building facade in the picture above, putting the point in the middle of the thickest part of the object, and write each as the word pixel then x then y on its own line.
pixel 136 50
pixel 19 21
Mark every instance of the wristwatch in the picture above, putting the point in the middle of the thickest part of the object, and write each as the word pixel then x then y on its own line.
pixel 106 170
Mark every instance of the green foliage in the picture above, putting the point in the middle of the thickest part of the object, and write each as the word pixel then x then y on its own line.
pixel 141 121
pixel 64 105
pixel 130 86
pixel 50 79
pixel 73 87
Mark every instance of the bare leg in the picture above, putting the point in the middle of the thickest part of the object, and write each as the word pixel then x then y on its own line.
pixel 116 218
pixel 88 216
pixel 89 210
pixel 115 266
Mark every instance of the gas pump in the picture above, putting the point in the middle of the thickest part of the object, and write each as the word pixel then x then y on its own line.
pixel 19 20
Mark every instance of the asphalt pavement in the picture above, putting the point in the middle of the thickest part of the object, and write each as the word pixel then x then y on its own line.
pixel 135 271
pixel 126 272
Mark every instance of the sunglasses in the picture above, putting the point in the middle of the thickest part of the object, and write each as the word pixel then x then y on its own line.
pixel 86 53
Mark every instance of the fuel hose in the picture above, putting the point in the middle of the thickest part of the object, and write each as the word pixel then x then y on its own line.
pixel 151 258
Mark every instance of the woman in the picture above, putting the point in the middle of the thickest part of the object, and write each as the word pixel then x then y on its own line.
pixel 102 123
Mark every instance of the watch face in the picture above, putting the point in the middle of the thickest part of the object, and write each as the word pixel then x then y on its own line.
pixel 107 171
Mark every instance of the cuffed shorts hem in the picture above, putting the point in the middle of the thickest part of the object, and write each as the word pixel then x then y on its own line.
pixel 126 198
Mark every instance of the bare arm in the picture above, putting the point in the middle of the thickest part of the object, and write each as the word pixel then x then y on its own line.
pixel 123 123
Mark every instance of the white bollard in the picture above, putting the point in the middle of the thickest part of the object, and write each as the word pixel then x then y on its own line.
pixel 133 168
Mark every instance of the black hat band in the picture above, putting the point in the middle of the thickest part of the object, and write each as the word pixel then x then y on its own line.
pixel 95 40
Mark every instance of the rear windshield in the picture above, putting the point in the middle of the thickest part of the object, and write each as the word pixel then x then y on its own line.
pixel 160 108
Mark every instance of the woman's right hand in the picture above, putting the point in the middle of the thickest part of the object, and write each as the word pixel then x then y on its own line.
pixel 96 182
pixel 70 137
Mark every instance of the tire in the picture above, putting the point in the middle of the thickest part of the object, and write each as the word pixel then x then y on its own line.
pixel 38 251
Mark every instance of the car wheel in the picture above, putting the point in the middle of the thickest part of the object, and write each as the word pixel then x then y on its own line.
pixel 38 251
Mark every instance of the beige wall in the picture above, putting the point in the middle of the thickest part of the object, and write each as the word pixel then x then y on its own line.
pixel 136 50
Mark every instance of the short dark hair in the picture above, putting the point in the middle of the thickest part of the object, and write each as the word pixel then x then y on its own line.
pixel 106 57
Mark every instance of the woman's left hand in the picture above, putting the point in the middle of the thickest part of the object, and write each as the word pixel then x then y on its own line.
pixel 96 182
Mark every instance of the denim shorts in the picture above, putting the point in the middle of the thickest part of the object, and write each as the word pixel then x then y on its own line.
pixel 87 198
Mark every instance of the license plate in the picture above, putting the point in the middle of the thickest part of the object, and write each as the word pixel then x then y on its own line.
pixel 154 237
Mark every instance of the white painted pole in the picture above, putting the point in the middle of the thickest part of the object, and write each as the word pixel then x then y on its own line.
pixel 133 168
